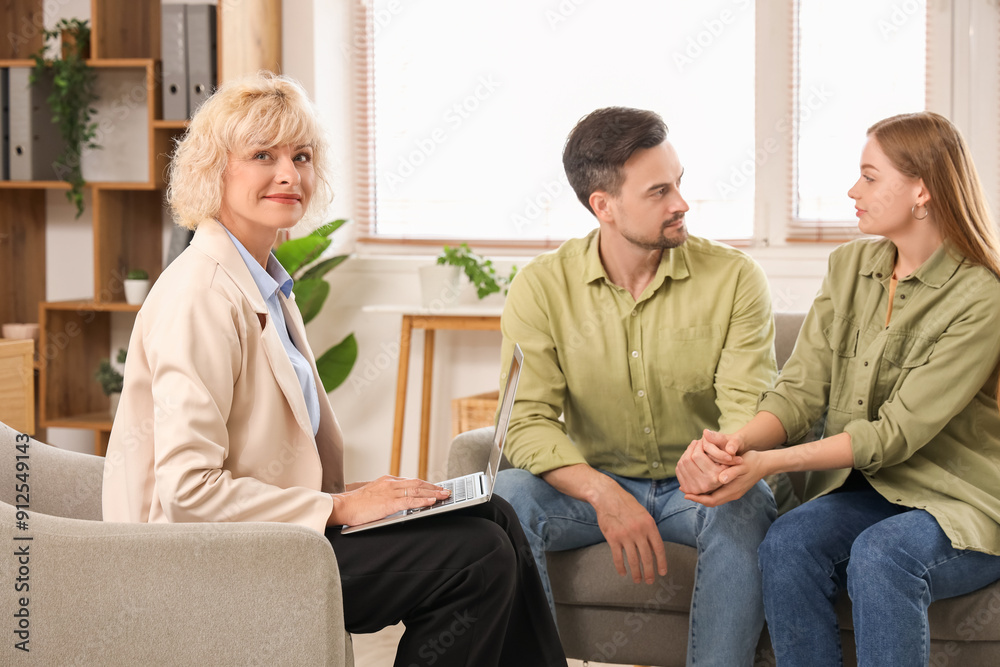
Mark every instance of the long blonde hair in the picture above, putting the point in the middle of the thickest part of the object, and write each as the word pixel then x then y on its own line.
pixel 258 110
pixel 927 145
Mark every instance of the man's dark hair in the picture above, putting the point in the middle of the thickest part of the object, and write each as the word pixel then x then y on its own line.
pixel 601 144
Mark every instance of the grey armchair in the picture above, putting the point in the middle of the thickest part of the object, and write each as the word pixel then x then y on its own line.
pixel 606 618
pixel 144 594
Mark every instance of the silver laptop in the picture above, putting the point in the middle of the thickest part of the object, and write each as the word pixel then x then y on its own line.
pixel 471 489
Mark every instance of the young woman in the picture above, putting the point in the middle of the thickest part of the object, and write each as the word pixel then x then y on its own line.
pixel 900 352
pixel 223 417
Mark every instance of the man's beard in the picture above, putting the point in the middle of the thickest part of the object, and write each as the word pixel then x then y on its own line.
pixel 663 241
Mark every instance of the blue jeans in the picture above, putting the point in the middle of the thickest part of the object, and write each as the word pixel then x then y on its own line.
pixel 726 610
pixel 894 561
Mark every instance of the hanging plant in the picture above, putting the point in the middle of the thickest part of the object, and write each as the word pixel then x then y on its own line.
pixel 73 93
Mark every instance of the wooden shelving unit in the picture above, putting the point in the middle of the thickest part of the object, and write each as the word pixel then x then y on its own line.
pixel 127 215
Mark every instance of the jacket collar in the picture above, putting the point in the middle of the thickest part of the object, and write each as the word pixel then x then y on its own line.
pixel 268 280
pixel 211 238
pixel 935 272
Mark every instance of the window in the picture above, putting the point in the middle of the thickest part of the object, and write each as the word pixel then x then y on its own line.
pixel 473 101
pixel 466 106
pixel 849 73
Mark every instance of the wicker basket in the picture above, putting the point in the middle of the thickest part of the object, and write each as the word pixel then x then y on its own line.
pixel 472 412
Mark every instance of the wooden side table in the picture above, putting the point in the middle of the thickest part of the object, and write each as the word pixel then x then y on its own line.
pixel 430 320
pixel 17 384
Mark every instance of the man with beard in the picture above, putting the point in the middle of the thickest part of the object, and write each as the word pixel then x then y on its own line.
pixel 636 339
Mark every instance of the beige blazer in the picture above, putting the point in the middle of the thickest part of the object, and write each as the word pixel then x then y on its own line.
pixel 212 424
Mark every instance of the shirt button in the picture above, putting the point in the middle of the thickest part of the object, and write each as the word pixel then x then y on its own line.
pixel 656 464
pixel 866 363
pixel 635 353
pixel 647 429
pixel 634 313
pixel 860 402
pixel 902 296
pixel 640 393
pixel 878 275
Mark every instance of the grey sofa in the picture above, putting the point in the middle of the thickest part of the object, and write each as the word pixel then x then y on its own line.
pixel 606 618
pixel 141 594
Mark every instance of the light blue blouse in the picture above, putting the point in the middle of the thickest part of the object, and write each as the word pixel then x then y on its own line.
pixel 269 282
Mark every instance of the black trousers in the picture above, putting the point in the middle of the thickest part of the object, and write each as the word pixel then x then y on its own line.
pixel 463 583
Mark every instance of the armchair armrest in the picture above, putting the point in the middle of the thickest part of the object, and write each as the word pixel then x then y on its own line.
pixel 470 451
pixel 219 593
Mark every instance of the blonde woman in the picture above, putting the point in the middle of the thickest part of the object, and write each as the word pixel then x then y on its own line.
pixel 900 350
pixel 222 415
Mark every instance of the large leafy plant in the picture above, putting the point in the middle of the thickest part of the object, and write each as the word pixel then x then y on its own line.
pixel 481 272
pixel 73 93
pixel 301 257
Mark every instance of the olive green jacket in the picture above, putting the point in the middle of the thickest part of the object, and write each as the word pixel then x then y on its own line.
pixel 918 397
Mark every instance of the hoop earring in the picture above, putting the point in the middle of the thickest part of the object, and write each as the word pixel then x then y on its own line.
pixel 913 212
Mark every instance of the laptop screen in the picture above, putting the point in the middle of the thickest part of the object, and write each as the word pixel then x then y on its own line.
pixel 503 420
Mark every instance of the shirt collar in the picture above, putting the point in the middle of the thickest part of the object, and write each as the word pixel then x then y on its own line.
pixel 673 264
pixel 270 280
pixel 935 272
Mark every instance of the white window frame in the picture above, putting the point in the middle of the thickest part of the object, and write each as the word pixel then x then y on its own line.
pixel 963 71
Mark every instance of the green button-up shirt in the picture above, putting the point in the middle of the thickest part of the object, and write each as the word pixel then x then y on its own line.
pixel 635 379
pixel 918 397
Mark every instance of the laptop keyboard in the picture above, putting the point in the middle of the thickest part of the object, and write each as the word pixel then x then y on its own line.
pixel 461 489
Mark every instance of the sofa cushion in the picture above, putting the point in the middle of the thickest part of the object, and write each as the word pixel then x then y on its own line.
pixel 602 585
pixel 971 617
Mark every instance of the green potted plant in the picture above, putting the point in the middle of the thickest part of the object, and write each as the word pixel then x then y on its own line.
pixel 73 93
pixel 136 286
pixel 111 380
pixel 481 273
pixel 302 258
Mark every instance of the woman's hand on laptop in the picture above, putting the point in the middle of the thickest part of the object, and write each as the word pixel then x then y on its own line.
pixel 382 497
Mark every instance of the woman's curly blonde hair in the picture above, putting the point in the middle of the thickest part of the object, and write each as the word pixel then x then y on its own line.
pixel 260 110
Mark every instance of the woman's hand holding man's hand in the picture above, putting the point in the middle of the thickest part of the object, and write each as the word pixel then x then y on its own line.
pixel 701 465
